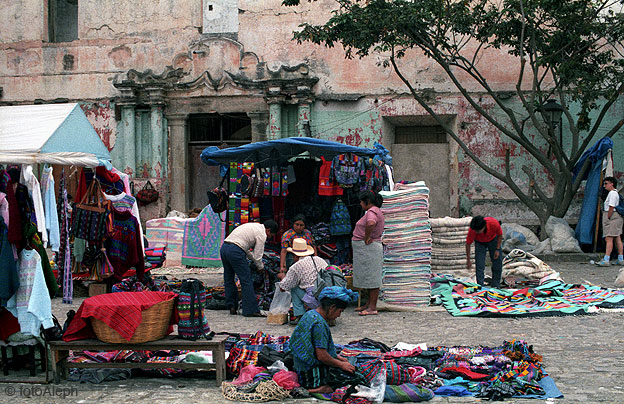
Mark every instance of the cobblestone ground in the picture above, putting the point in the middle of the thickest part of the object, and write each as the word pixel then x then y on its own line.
pixel 583 354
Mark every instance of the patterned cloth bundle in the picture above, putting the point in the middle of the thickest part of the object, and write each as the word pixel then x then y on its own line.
pixel 448 250
pixel 407 240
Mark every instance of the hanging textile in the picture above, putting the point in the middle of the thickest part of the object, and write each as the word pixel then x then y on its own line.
pixel 8 267
pixel 34 242
pixel 327 186
pixel 125 202
pixel 50 209
pixel 63 259
pixel 203 237
pixel 123 247
pixel 34 192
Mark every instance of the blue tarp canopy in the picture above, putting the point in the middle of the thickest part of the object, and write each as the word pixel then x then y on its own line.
pixel 279 151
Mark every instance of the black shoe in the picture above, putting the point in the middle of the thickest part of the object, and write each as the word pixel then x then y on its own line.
pixel 233 311
pixel 257 314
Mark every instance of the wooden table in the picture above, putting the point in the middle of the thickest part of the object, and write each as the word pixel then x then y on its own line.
pixel 60 353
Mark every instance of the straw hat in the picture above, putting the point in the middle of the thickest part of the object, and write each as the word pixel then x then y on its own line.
pixel 300 247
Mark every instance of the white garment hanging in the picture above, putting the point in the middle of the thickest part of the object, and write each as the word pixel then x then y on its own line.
pixel 49 207
pixel 34 189
pixel 31 304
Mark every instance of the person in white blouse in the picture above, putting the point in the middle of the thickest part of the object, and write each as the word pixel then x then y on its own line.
pixel 301 275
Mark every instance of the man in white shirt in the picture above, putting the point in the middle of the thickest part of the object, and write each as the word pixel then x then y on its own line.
pixel 247 240
pixel 611 222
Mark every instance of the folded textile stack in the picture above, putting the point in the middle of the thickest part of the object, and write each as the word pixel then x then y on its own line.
pixel 155 256
pixel 521 269
pixel 407 240
pixel 448 251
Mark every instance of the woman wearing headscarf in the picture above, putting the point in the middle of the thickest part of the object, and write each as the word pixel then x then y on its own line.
pixel 368 251
pixel 319 368
pixel 298 231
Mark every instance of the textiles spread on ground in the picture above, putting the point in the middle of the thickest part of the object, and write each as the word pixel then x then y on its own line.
pixel 553 297
pixel 448 250
pixel 412 372
pixel 407 240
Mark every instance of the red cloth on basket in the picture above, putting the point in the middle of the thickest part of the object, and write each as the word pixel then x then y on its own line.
pixel 121 311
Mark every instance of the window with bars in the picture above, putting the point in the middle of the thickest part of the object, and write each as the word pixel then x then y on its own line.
pixel 419 134
pixel 217 129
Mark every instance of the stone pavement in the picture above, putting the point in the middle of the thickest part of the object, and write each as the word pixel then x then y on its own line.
pixel 583 354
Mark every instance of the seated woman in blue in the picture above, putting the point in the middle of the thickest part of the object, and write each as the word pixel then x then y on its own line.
pixel 319 368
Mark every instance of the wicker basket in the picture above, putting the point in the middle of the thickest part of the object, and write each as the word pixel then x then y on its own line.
pixel 153 327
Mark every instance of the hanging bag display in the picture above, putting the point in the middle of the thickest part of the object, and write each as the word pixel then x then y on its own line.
pixel 147 195
pixel 219 198
pixel 340 221
pixel 193 323
pixel 91 219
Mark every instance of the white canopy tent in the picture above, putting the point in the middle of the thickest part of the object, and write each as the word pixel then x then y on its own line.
pixel 50 133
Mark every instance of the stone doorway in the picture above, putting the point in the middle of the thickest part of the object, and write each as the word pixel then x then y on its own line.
pixel 221 130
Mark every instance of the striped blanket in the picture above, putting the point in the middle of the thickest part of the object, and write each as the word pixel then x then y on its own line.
pixel 551 298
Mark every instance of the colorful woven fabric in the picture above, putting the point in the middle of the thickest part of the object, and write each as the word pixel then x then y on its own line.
pixel 408 392
pixel 203 237
pixel 167 232
pixel 407 240
pixel 554 297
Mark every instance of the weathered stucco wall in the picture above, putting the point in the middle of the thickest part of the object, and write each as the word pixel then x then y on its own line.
pixel 353 101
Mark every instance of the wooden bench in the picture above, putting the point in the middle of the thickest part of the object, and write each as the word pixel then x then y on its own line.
pixel 60 353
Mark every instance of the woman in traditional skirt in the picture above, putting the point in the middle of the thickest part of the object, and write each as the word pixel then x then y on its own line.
pixel 368 251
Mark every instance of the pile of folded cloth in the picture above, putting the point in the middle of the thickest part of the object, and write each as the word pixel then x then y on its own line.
pixel 521 269
pixel 155 256
pixel 407 241
pixel 448 251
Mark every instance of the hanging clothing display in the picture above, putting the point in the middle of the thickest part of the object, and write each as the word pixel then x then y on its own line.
pixel 34 191
pixel 327 186
pixel 9 281
pixel 33 240
pixel 50 210
pixel 125 202
pixel 31 303
pixel 123 247
pixel 63 260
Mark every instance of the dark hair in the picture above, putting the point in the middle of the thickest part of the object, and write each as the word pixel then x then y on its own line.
pixel 477 223
pixel 299 217
pixel 271 225
pixel 612 180
pixel 371 197
pixel 327 303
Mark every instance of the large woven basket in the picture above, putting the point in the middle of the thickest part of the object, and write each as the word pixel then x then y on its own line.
pixel 153 327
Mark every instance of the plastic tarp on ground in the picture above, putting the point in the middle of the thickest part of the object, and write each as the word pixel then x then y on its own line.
pixel 276 152
pixel 584 231
pixel 50 133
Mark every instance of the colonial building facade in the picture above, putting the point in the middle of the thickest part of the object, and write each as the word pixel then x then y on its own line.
pixel 162 80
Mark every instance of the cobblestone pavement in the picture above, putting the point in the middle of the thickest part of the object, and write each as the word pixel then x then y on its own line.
pixel 583 354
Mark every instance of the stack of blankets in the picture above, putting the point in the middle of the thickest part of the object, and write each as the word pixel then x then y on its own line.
pixel 448 251
pixel 155 256
pixel 407 240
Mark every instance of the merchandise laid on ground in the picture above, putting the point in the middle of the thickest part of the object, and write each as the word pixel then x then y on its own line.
pixel 407 241
pixel 553 297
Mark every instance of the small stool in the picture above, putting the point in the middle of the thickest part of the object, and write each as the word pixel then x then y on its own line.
pixel 31 343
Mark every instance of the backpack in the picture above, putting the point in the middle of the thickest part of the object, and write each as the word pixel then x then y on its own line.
pixel 330 276
pixel 193 323
pixel 620 207
pixel 340 221
pixel 218 198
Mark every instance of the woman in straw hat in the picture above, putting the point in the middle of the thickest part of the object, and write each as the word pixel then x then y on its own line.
pixel 301 275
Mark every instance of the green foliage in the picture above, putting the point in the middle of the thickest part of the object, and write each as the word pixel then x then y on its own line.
pixel 571 50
